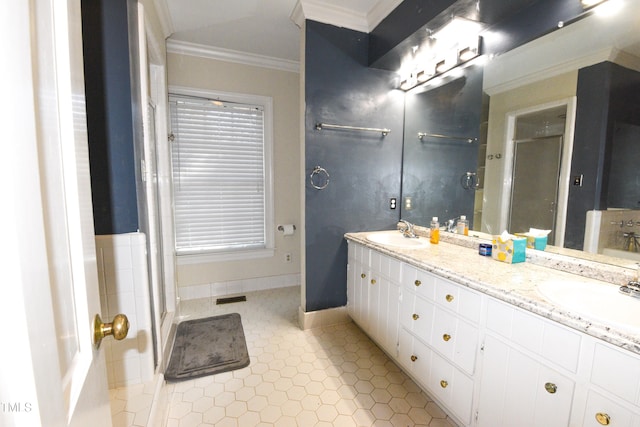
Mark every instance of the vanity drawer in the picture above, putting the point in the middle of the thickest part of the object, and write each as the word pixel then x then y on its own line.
pixel 451 387
pixel 418 281
pixel 455 339
pixel 554 342
pixel 458 299
pixel 417 316
pixel 617 372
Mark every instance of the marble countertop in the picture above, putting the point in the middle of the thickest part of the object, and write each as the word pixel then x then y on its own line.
pixel 459 261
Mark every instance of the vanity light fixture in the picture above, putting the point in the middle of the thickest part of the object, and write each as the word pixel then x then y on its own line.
pixel 455 44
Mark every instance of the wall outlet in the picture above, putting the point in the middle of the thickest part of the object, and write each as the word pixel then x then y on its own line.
pixel 287 257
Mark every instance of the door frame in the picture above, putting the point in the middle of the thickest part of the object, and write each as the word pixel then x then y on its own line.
pixel 565 163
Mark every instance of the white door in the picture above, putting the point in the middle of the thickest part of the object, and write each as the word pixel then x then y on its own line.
pixel 50 372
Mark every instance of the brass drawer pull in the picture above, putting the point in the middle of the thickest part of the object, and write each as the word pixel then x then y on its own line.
pixel 551 388
pixel 417 283
pixel 373 281
pixel 603 419
pixel 449 297
pixel 415 316
pixel 363 275
pixel 414 358
pixel 446 337
pixel 444 384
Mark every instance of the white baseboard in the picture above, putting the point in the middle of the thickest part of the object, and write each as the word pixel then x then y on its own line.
pixel 238 286
pixel 319 318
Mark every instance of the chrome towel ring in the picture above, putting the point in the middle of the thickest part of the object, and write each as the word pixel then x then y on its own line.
pixel 319 171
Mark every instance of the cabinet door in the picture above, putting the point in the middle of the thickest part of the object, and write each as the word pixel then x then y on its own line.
pixel 374 316
pixel 361 294
pixel 517 390
pixel 392 302
pixel 603 411
pixel 352 268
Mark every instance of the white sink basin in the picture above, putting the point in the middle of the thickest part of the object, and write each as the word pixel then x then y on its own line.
pixel 395 238
pixel 600 302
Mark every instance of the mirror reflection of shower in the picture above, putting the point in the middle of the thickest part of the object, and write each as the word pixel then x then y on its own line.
pixel 539 156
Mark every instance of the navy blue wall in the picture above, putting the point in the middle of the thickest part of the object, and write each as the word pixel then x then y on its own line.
pixel 105 30
pixel 607 93
pixel 364 167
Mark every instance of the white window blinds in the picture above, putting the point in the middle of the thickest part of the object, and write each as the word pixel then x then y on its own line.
pixel 218 162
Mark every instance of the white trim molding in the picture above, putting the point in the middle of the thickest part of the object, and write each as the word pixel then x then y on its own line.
pixel 228 55
pixel 162 9
pixel 330 13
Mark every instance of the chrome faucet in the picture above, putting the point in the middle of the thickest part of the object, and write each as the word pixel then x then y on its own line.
pixel 450 225
pixel 407 231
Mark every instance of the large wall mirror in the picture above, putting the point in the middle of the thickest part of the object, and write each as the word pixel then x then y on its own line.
pixel 524 140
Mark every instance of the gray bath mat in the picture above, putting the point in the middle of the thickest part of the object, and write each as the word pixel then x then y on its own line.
pixel 207 346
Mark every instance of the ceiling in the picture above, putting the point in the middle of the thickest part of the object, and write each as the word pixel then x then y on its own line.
pixel 264 28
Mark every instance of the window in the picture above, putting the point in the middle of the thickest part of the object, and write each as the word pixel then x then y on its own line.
pixel 221 164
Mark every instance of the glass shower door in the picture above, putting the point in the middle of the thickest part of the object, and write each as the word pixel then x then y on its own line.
pixel 534 191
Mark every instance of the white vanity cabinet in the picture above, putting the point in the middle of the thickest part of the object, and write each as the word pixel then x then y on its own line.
pixel 487 362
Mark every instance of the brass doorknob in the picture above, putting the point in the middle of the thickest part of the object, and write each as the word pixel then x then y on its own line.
pixel 551 388
pixel 118 328
pixel 444 384
pixel 415 316
pixel 446 337
pixel 417 283
pixel 449 297
pixel 414 357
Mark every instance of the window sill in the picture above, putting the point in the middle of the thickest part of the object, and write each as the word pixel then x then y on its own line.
pixel 224 256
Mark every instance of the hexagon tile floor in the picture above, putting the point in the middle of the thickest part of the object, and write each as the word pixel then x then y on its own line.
pixel 330 376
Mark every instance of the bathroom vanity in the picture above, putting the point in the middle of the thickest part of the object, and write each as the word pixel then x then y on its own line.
pixel 486 340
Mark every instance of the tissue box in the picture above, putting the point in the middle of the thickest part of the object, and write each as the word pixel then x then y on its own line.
pixel 510 250
pixel 534 242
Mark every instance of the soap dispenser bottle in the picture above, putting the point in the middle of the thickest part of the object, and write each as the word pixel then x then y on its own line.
pixel 462 226
pixel 434 231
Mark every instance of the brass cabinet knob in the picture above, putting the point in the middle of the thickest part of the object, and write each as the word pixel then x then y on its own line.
pixel 373 281
pixel 363 275
pixel 118 328
pixel 603 419
pixel 417 283
pixel 446 337
pixel 414 358
pixel 415 316
pixel 444 384
pixel 551 388
pixel 449 297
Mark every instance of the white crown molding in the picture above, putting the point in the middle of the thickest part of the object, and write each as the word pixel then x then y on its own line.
pixel 522 74
pixel 228 55
pixel 318 10
pixel 321 11
pixel 162 9
pixel 381 10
